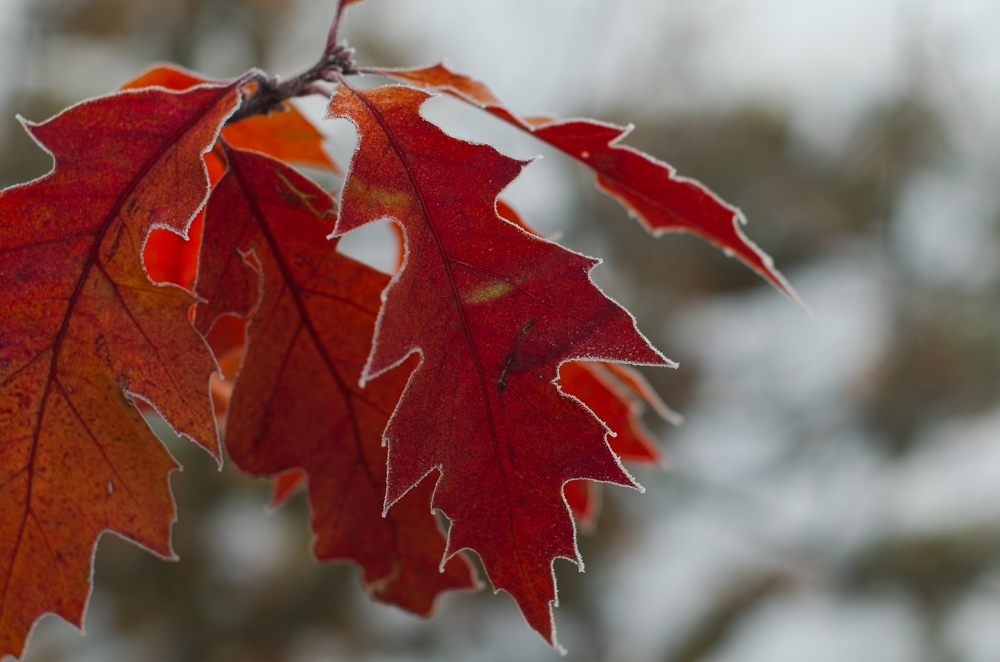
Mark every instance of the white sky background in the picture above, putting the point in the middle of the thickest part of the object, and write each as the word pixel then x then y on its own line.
pixel 10 42
pixel 822 64
pixel 822 61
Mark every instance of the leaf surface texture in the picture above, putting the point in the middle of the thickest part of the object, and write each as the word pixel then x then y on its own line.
pixel 84 331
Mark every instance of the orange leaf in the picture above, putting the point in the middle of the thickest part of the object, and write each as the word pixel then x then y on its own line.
pixel 286 135
pixel 171 258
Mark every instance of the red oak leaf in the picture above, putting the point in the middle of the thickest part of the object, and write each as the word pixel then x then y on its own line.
pixel 592 384
pixel 615 394
pixel 583 498
pixel 493 312
pixel 650 189
pixel 595 385
pixel 297 403
pixel 624 384
pixel 286 484
pixel 632 381
pixel 84 332
pixel 285 135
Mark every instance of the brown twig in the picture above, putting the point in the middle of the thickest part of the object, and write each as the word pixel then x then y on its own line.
pixel 331 38
pixel 270 93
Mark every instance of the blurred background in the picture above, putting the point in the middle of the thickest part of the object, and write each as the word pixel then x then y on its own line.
pixel 834 494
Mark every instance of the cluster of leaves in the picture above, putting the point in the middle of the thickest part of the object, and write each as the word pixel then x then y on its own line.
pixel 484 380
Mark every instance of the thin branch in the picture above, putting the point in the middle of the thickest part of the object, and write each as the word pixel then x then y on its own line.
pixel 270 93
pixel 331 39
